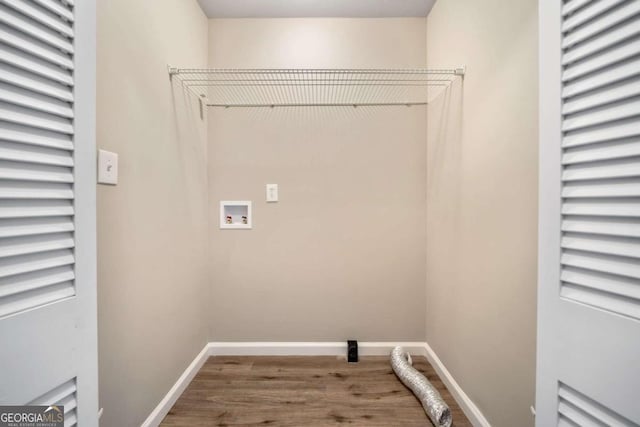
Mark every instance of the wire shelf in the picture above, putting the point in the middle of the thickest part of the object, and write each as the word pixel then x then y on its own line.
pixel 314 87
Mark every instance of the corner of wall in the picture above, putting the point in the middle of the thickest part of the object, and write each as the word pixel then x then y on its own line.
pixel 481 209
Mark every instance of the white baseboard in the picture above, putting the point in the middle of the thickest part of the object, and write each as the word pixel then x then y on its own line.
pixel 312 349
pixel 308 348
pixel 155 418
pixel 469 408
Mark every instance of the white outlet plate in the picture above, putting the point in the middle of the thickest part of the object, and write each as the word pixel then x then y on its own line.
pixel 272 192
pixel 107 167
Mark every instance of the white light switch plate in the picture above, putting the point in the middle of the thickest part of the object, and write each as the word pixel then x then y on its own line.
pixel 107 167
pixel 272 192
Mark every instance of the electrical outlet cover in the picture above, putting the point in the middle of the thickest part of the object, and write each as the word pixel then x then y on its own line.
pixel 272 192
pixel 107 167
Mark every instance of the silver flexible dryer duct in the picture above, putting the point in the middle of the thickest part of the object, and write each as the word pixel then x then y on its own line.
pixel 433 404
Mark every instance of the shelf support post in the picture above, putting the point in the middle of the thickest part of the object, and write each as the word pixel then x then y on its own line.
pixel 171 70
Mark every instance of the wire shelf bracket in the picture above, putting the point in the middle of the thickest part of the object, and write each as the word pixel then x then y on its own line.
pixel 309 87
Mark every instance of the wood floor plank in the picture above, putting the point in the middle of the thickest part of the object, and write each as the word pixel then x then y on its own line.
pixel 303 391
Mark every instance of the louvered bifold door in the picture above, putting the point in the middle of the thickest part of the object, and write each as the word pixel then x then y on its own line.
pixel 36 157
pixel 589 297
pixel 601 157
pixel 47 196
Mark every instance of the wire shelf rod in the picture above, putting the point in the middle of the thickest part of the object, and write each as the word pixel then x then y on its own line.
pixel 370 81
pixel 314 86
pixel 320 84
pixel 178 71
pixel 354 105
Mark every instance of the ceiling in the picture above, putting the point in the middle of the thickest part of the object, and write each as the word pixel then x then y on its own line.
pixel 315 8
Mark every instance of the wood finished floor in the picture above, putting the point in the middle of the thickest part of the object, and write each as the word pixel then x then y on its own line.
pixel 303 391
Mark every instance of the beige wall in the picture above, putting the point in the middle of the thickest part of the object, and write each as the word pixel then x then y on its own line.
pixel 152 276
pixel 482 203
pixel 342 254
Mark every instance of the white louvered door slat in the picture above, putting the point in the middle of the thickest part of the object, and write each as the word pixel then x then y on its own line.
pixel 36 208
pixel 14 266
pixel 34 226
pixel 36 280
pixel 614 74
pixel 615 36
pixel 603 59
pixel 35 75
pixel 600 263
pixel 32 46
pixel 618 285
pixel 31 10
pixel 65 395
pixel 589 302
pixel 610 151
pixel 47 206
pixel 588 410
pixel 16 171
pixel 588 12
pixel 611 207
pixel 608 20
pixel 607 226
pixel 572 5
pixel 13 246
pixel 622 168
pixel 56 8
pixel 25 24
pixel 29 153
pixel 623 188
pixel 44 104
pixel 603 115
pixel 29 117
pixel 589 101
pixel 20 134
